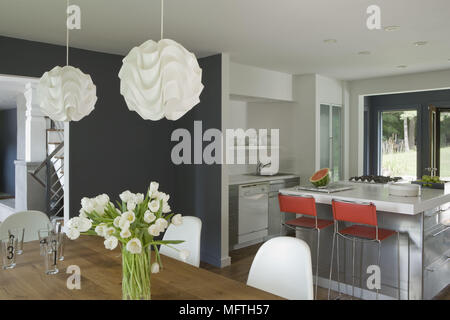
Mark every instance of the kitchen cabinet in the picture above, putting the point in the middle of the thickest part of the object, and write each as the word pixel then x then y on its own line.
pixel 246 210
pixel 253 211
pixel 331 140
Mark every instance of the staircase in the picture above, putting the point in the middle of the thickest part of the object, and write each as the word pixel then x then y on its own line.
pixel 50 173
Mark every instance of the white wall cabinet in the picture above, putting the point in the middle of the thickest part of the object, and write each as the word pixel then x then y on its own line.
pixel 331 139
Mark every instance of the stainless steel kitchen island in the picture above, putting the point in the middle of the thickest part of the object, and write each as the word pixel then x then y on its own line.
pixel 424 226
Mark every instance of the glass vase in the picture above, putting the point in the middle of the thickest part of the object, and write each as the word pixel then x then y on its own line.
pixel 136 275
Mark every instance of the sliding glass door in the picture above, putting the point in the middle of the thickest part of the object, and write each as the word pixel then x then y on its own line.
pixel 444 144
pixel 439 142
pixel 398 144
pixel 331 139
pixel 408 134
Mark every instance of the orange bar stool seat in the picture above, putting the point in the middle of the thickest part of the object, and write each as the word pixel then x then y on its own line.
pixel 306 206
pixel 367 232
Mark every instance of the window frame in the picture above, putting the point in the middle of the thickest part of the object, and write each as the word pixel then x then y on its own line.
pixel 375 135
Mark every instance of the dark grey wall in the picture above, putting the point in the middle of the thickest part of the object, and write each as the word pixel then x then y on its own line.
pixel 198 186
pixel 8 150
pixel 114 149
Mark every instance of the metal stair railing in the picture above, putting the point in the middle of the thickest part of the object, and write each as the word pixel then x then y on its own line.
pixel 53 182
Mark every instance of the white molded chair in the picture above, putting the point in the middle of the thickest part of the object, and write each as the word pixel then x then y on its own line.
pixel 282 266
pixel 32 221
pixel 190 232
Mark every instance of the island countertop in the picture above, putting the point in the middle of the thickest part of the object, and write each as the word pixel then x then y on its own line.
pixel 378 194
pixel 253 178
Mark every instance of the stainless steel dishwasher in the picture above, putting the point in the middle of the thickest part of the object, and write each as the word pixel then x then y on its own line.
pixel 253 212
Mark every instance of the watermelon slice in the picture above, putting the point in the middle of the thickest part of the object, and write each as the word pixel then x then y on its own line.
pixel 320 178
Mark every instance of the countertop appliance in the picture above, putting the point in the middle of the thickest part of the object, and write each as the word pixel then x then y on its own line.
pixel 253 212
pixel 375 179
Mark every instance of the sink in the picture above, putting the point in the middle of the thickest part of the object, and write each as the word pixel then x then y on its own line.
pixel 274 175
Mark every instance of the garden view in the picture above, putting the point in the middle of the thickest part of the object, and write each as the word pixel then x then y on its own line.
pixel 399 145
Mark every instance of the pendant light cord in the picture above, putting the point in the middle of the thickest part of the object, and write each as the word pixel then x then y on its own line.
pixel 162 19
pixel 67 36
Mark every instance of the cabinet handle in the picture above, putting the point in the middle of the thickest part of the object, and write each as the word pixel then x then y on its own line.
pixel 439 232
pixel 255 197
pixel 444 261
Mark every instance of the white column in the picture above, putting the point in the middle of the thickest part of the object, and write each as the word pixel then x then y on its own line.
pixel 35 127
pixel 31 150
pixel 225 257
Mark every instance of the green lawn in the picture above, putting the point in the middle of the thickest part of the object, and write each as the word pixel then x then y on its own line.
pixel 405 163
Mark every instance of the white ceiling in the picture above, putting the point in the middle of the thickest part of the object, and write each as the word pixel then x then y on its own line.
pixel 283 35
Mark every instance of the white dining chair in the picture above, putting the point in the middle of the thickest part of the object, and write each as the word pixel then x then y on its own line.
pixel 282 266
pixel 189 231
pixel 32 221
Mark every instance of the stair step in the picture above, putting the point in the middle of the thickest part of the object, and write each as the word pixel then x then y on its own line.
pixel 56 143
pixel 59 157
pixel 55 130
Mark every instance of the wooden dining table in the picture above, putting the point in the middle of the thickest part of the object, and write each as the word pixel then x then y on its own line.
pixel 101 277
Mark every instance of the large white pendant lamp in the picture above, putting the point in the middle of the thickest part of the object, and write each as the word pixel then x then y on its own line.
pixel 66 93
pixel 160 79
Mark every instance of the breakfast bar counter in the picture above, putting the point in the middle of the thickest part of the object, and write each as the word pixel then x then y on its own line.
pixel 378 194
pixel 424 226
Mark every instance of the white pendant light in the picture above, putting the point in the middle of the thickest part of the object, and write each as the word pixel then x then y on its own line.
pixel 160 79
pixel 66 93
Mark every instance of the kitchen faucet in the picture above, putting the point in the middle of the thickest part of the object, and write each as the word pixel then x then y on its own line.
pixel 432 171
pixel 260 165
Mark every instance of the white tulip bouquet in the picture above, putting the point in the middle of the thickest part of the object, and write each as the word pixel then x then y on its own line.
pixel 133 225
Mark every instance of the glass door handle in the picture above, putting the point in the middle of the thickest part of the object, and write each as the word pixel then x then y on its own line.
pixel 331 156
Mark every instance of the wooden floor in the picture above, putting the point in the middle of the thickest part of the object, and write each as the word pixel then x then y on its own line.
pixel 242 259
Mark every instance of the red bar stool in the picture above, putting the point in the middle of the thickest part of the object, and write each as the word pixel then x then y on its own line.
pixel 304 205
pixel 365 214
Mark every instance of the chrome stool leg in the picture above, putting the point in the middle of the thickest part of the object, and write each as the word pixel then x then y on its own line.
pixel 317 260
pixel 378 263
pixel 331 265
pixel 353 268
pixel 409 263
pixel 337 258
pixel 360 270
pixel 398 263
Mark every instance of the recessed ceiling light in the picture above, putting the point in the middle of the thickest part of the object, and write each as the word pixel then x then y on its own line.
pixel 364 52
pixel 391 28
pixel 420 43
pixel 330 41
pixel 402 66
